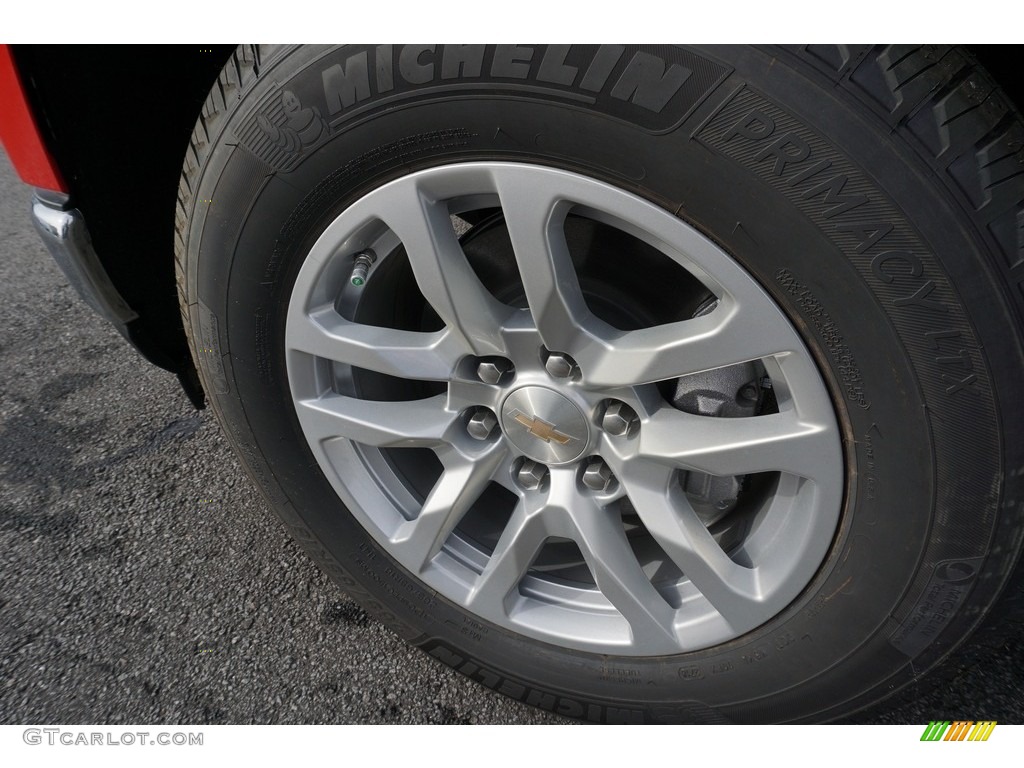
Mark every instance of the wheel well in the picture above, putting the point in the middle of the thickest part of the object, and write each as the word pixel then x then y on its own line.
pixel 118 121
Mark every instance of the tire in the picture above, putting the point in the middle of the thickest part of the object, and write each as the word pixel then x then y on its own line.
pixel 519 449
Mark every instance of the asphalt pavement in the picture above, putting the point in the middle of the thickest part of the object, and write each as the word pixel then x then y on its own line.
pixel 143 579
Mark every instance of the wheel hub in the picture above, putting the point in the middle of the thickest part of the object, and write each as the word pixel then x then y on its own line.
pixel 545 425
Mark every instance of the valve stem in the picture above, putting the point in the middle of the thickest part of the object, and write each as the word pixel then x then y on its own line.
pixel 363 261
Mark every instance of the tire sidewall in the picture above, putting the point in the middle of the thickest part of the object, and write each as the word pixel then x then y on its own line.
pixel 886 384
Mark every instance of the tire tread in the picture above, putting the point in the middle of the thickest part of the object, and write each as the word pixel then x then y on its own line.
pixel 959 121
pixel 239 74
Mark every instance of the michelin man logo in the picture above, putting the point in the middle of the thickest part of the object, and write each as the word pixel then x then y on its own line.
pixel 303 126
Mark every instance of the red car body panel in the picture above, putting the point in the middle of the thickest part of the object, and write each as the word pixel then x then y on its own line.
pixel 19 134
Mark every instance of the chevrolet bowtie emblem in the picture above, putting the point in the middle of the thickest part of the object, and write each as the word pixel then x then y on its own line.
pixel 540 428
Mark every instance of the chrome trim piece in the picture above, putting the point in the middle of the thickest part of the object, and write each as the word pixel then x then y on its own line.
pixel 66 236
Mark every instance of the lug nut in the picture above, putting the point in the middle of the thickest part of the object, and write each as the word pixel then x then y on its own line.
pixel 560 365
pixel 481 424
pixel 531 474
pixel 597 476
pixel 491 370
pixel 618 419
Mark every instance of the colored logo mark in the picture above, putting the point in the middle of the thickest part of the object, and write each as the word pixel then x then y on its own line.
pixel 542 429
pixel 959 730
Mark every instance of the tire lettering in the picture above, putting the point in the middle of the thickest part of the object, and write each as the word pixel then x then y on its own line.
pixel 411 66
pixel 870 480
pixel 569 708
pixel 953 572
pixel 511 61
pixel 264 366
pixel 461 61
pixel 344 86
pixel 814 170
pixel 445 656
pixel 553 68
pixel 385 68
pixel 955 384
pixel 541 700
pixel 833 189
pixel 655 89
pixel 755 655
pixel 835 345
pixel 621 676
pixel 602 65
pixel 949 585
pixel 209 338
pixel 647 80
pixel 936 338
pixel 790 158
pixel 868 233
pixel 647 83
pixel 878 265
pixel 394 584
pixel 951 353
pixel 755 125
pixel 783 641
pixel 691 673
pixel 790 148
pixel 920 298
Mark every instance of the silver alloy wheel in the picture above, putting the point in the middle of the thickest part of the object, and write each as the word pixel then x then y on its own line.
pixel 554 449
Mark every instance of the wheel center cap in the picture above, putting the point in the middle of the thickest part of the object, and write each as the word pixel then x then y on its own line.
pixel 545 425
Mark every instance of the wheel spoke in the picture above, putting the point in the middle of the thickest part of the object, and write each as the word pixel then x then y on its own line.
pixel 517 546
pixel 417 423
pixel 774 442
pixel 463 480
pixel 598 532
pixel 733 590
pixel 603 542
pixel 535 219
pixel 609 357
pixel 442 272
pixel 726 336
pixel 407 354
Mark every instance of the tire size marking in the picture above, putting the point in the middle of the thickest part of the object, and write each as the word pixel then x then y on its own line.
pixel 470 629
pixel 690 672
pixel 722 667
pixel 755 655
pixel 621 675
pixel 867 446
pixel 828 331
pixel 783 641
pixel 209 338
pixel 393 583
pixel 844 202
